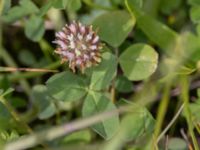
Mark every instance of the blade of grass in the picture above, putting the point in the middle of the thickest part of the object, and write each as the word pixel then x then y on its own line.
pixel 185 98
pixel 171 123
pixel 162 109
pixel 12 69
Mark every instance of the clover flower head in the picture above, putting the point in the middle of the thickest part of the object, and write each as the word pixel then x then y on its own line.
pixel 78 45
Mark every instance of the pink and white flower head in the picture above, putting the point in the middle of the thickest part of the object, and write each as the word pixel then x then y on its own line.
pixel 78 45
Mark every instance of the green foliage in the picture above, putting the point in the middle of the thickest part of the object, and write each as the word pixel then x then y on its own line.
pixel 82 136
pixel 26 7
pixel 101 75
pixel 138 62
pixel 138 123
pixel 153 28
pixel 45 104
pixel 150 57
pixel 123 85
pixel 34 28
pixel 195 17
pixel 66 86
pixel 95 103
pixel 114 27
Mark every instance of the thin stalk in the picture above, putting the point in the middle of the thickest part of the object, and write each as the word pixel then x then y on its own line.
pixel 170 124
pixel 27 75
pixel 12 69
pixel 185 98
pixel 113 89
pixel 45 47
pixel 198 128
pixel 29 141
pixel 162 109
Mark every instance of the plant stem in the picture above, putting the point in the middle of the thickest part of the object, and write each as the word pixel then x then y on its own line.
pixel 171 123
pixel 185 98
pixel 162 110
pixel 27 75
pixel 58 131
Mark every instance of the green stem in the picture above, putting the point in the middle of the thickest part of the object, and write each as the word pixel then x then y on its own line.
pixel 45 47
pixel 162 110
pixel 170 124
pixel 185 98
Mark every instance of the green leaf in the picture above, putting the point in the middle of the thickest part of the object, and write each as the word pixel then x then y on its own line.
pixel 66 86
pixel 34 28
pixel 195 110
pixel 198 30
pixel 5 116
pixel 8 91
pixel 167 6
pixel 24 54
pixel 136 127
pixel 45 8
pixel 191 47
pixel 156 31
pixel 177 144
pixel 83 136
pixel 114 27
pixel 59 4
pixel 73 5
pixel 195 14
pixel 25 8
pixel 43 101
pixel 123 85
pixel 96 103
pixel 17 102
pixel 6 6
pixel 138 62
pixel 136 124
pixel 194 2
pixel 102 75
